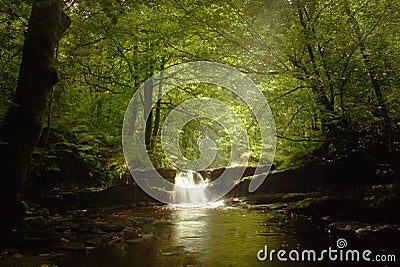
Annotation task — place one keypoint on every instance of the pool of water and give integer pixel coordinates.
(222, 236)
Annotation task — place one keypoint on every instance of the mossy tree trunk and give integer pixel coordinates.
(314, 76)
(369, 65)
(24, 120)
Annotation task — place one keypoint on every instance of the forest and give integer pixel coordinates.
(329, 71)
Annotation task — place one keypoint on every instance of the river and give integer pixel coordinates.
(217, 236)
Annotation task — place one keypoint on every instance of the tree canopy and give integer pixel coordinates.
(329, 70)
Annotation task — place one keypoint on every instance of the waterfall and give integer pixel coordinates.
(189, 189)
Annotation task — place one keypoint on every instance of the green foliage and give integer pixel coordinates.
(70, 158)
(311, 69)
(116, 172)
(13, 23)
(383, 195)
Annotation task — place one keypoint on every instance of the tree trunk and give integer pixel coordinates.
(158, 109)
(24, 120)
(368, 65)
(148, 103)
(327, 106)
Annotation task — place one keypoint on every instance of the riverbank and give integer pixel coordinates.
(370, 212)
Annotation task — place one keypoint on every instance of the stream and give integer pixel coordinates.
(215, 236)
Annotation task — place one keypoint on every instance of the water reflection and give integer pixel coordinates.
(221, 236)
(216, 236)
(190, 229)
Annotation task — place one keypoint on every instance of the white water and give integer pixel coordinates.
(189, 189)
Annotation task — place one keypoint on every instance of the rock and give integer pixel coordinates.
(131, 233)
(346, 226)
(322, 205)
(235, 171)
(112, 227)
(378, 229)
(293, 197)
(141, 204)
(92, 241)
(18, 256)
(174, 250)
(366, 229)
(148, 237)
(72, 246)
(167, 173)
(134, 240)
(272, 206)
(313, 176)
(235, 202)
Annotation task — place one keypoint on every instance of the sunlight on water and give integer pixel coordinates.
(190, 229)
(212, 235)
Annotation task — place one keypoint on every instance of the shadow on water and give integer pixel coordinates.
(223, 236)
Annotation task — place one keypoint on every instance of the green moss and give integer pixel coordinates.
(293, 197)
(325, 205)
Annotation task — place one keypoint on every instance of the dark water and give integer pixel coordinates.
(224, 236)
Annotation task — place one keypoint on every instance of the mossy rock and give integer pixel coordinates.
(36, 222)
(112, 227)
(266, 198)
(294, 197)
(43, 212)
(322, 205)
(132, 233)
